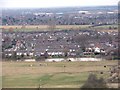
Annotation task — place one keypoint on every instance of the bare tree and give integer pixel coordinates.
(52, 23)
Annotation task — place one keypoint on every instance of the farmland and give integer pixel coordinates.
(52, 75)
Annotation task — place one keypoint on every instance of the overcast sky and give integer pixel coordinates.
(54, 3)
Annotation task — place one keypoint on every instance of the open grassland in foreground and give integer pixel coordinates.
(52, 74)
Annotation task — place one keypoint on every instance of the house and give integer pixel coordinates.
(97, 50)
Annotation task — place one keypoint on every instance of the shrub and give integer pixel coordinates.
(94, 82)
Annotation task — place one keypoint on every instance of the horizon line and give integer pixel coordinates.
(58, 7)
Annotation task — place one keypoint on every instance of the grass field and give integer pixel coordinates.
(106, 28)
(44, 27)
(58, 27)
(54, 75)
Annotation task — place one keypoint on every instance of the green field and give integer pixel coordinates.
(54, 75)
(43, 27)
(106, 26)
(30, 28)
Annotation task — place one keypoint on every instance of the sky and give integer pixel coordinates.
(54, 3)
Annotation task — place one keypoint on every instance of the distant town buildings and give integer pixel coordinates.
(70, 43)
(88, 16)
(59, 44)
